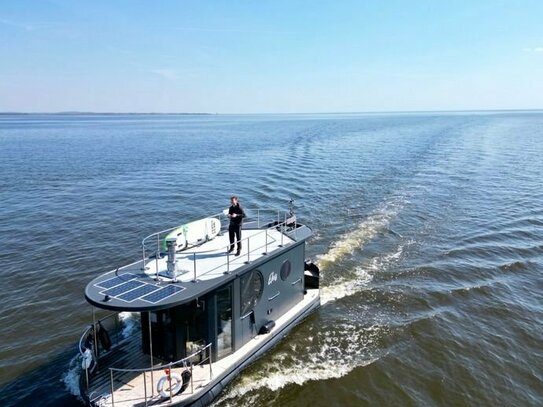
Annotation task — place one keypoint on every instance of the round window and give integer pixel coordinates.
(285, 270)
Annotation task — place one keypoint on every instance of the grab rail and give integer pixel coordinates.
(186, 362)
(276, 223)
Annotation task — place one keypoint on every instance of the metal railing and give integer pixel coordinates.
(151, 245)
(111, 323)
(204, 354)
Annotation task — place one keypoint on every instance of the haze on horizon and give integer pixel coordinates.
(270, 57)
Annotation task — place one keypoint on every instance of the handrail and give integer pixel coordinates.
(164, 366)
(87, 330)
(204, 350)
(277, 223)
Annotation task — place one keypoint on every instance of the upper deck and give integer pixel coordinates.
(147, 285)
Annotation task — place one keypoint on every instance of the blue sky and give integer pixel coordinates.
(270, 56)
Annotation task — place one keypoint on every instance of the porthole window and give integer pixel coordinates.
(252, 285)
(285, 270)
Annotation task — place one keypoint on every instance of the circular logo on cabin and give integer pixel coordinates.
(285, 270)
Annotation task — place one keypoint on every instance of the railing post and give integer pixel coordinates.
(194, 260)
(248, 252)
(145, 387)
(151, 354)
(282, 230)
(191, 380)
(111, 383)
(266, 245)
(157, 253)
(258, 218)
(94, 334)
(210, 369)
(170, 382)
(228, 262)
(143, 255)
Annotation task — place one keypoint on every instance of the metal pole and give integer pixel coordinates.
(112, 400)
(157, 254)
(248, 251)
(266, 247)
(143, 255)
(210, 370)
(282, 230)
(228, 262)
(194, 260)
(151, 353)
(170, 381)
(94, 334)
(258, 218)
(191, 381)
(145, 387)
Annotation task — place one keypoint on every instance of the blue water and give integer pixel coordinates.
(428, 230)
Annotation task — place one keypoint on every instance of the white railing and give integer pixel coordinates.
(151, 245)
(204, 355)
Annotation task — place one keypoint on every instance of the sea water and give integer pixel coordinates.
(428, 232)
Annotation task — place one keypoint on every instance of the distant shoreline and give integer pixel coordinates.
(101, 113)
(74, 113)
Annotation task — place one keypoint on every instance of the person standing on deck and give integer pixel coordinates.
(236, 215)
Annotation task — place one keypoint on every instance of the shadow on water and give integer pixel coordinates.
(45, 385)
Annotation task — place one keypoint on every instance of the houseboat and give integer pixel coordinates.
(200, 313)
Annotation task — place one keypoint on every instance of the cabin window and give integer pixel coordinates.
(285, 270)
(224, 322)
(252, 285)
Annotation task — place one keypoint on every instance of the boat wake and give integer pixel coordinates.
(339, 348)
(376, 223)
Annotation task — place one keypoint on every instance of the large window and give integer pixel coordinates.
(252, 285)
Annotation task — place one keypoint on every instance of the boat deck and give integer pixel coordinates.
(211, 259)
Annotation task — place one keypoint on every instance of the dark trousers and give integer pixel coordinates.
(234, 232)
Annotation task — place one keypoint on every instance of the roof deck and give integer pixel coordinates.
(148, 285)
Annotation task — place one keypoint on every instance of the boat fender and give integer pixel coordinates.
(266, 328)
(87, 359)
(174, 377)
(186, 376)
(103, 337)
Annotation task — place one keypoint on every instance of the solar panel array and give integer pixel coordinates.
(126, 287)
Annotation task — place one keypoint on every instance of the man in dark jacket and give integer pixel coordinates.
(236, 215)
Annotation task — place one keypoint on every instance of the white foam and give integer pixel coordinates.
(338, 351)
(346, 287)
(130, 323)
(70, 378)
(365, 231)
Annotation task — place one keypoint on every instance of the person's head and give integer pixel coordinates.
(234, 200)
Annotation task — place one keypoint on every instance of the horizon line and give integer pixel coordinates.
(75, 112)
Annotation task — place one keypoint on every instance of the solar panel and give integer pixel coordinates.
(112, 282)
(123, 288)
(162, 294)
(138, 292)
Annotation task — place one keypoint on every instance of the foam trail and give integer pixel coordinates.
(339, 350)
(346, 287)
(374, 224)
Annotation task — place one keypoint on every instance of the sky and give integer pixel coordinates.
(270, 56)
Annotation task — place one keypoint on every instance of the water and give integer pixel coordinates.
(428, 231)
